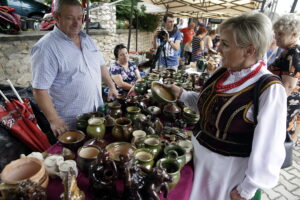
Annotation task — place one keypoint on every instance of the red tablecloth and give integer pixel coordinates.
(180, 192)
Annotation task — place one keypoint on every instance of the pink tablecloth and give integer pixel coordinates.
(180, 192)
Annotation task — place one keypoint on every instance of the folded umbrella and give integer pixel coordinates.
(18, 117)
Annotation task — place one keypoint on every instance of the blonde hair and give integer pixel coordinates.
(288, 23)
(252, 28)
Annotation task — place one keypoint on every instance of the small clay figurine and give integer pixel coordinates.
(156, 182)
(102, 177)
(134, 181)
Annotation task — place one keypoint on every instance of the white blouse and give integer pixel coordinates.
(216, 175)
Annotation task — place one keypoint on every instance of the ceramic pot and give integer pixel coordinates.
(153, 143)
(132, 112)
(51, 163)
(138, 138)
(72, 139)
(100, 143)
(96, 127)
(144, 157)
(171, 111)
(122, 131)
(120, 148)
(82, 120)
(173, 169)
(176, 152)
(141, 87)
(114, 109)
(188, 147)
(25, 169)
(64, 168)
(85, 156)
(160, 93)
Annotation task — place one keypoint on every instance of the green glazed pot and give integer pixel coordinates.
(153, 143)
(173, 169)
(141, 87)
(144, 157)
(176, 152)
(96, 127)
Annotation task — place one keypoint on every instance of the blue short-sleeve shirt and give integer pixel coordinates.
(71, 75)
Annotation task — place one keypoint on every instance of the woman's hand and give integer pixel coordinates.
(234, 195)
(112, 93)
(177, 91)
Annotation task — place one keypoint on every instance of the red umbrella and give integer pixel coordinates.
(18, 117)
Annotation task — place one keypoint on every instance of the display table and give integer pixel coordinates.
(180, 192)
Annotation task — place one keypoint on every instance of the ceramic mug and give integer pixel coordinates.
(64, 168)
(85, 156)
(144, 157)
(138, 137)
(188, 147)
(176, 152)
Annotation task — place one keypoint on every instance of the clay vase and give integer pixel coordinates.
(138, 138)
(114, 109)
(122, 131)
(153, 143)
(144, 157)
(96, 127)
(141, 87)
(132, 112)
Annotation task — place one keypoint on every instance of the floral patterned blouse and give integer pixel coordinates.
(127, 76)
(288, 63)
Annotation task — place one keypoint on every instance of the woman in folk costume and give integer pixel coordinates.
(233, 157)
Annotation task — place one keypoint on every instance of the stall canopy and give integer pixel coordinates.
(220, 9)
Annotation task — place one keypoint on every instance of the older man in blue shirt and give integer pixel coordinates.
(68, 70)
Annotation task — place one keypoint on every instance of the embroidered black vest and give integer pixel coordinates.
(225, 128)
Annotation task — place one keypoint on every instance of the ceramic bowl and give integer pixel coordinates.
(154, 110)
(26, 168)
(162, 94)
(72, 139)
(120, 148)
(190, 113)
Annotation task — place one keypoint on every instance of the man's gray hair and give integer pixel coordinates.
(252, 28)
(289, 23)
(59, 4)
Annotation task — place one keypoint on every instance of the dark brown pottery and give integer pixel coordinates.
(72, 139)
(114, 109)
(122, 131)
(172, 111)
(85, 156)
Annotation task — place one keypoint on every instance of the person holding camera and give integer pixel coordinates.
(167, 42)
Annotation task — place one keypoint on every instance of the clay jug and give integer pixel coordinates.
(122, 131)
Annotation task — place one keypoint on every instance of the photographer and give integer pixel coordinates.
(167, 42)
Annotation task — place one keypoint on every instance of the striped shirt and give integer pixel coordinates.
(71, 75)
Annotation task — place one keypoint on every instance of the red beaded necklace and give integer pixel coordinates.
(223, 88)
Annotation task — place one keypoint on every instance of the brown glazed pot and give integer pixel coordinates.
(114, 109)
(122, 131)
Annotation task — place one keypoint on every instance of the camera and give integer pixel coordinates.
(162, 34)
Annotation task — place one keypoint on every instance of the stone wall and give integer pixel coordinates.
(15, 49)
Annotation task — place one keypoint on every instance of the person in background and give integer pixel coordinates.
(208, 42)
(273, 52)
(232, 156)
(67, 70)
(170, 43)
(287, 66)
(123, 72)
(198, 44)
(188, 34)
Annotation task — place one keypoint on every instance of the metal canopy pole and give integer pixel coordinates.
(130, 24)
(294, 6)
(136, 31)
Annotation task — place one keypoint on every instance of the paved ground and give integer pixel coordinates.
(288, 187)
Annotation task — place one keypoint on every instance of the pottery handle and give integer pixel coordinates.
(172, 154)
